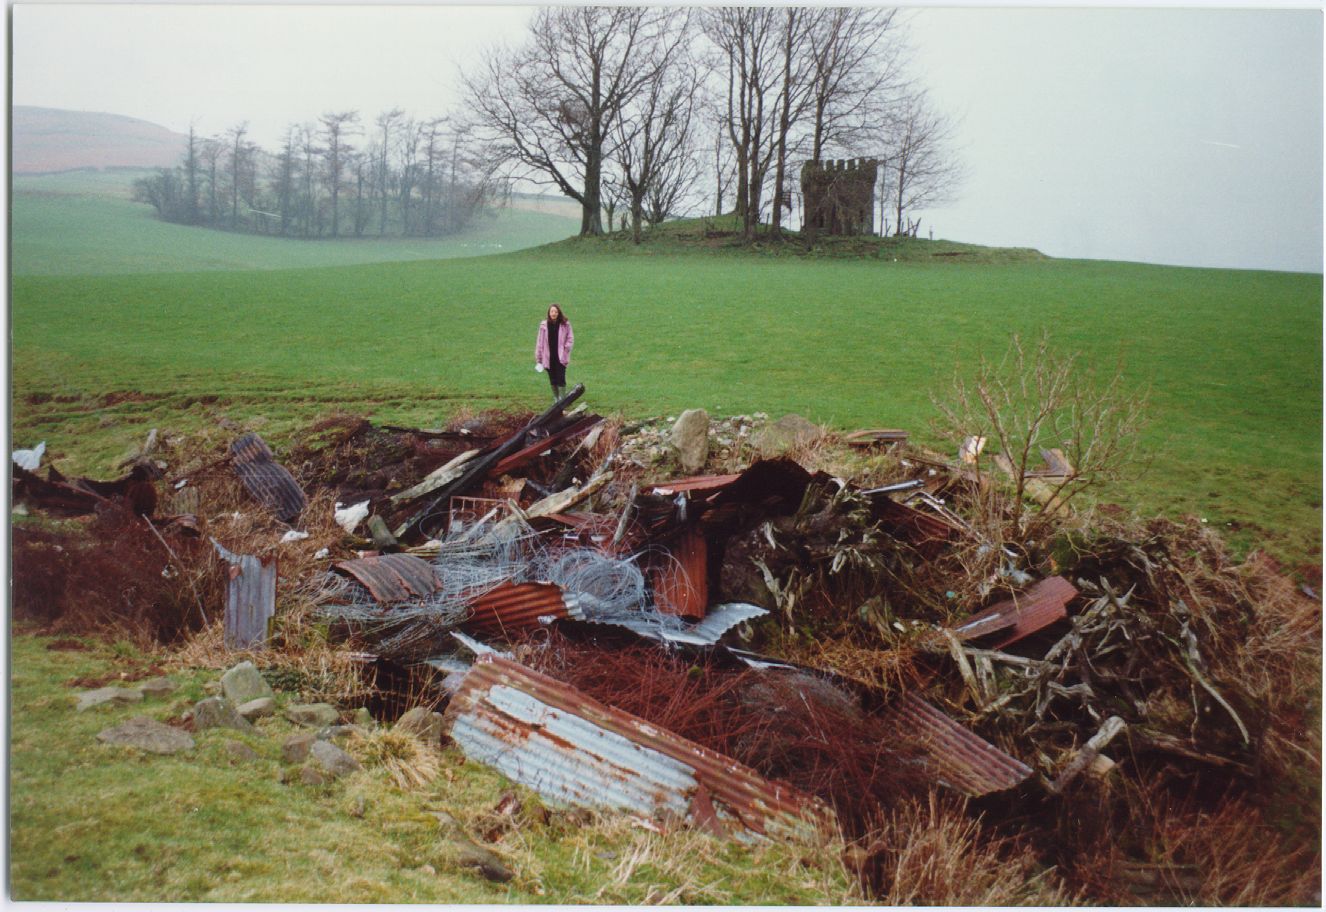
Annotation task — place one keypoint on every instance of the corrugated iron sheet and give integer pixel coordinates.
(681, 577)
(574, 750)
(392, 578)
(719, 620)
(250, 598)
(513, 607)
(696, 485)
(924, 530)
(266, 479)
(957, 757)
(875, 436)
(1040, 606)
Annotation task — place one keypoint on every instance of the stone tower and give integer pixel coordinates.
(839, 196)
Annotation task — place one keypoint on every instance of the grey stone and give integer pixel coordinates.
(477, 858)
(339, 732)
(104, 695)
(786, 433)
(331, 759)
(690, 438)
(212, 688)
(423, 723)
(260, 708)
(218, 712)
(310, 775)
(296, 747)
(312, 714)
(363, 717)
(238, 750)
(243, 683)
(148, 735)
(156, 687)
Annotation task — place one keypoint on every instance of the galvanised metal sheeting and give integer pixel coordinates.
(266, 479)
(392, 578)
(957, 757)
(250, 598)
(569, 748)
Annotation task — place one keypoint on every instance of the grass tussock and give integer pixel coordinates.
(407, 761)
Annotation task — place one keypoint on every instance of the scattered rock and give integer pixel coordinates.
(786, 433)
(316, 715)
(331, 759)
(338, 732)
(244, 683)
(485, 861)
(212, 688)
(260, 708)
(690, 437)
(240, 751)
(156, 687)
(218, 712)
(423, 723)
(312, 776)
(296, 747)
(104, 695)
(148, 735)
(363, 717)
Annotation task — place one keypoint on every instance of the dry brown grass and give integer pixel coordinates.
(930, 852)
(407, 760)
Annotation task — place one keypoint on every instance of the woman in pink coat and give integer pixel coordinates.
(552, 349)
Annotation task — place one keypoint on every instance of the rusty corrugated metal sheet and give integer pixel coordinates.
(513, 607)
(1040, 606)
(542, 445)
(681, 577)
(250, 598)
(266, 479)
(392, 578)
(875, 436)
(924, 530)
(574, 750)
(698, 484)
(957, 757)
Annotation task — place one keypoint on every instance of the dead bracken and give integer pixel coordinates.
(811, 636)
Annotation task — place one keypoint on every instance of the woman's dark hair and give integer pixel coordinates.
(561, 314)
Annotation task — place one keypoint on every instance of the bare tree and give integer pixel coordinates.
(387, 122)
(920, 168)
(191, 178)
(308, 204)
(549, 107)
(240, 157)
(858, 75)
(336, 128)
(211, 151)
(654, 130)
(284, 176)
(794, 91)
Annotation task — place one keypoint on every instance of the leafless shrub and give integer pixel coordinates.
(1035, 400)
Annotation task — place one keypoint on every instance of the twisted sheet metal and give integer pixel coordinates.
(267, 480)
(1024, 614)
(514, 607)
(572, 749)
(250, 598)
(957, 757)
(392, 578)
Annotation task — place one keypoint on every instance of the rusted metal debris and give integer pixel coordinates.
(516, 607)
(875, 437)
(1012, 619)
(574, 750)
(957, 757)
(80, 496)
(266, 479)
(250, 599)
(681, 577)
(392, 578)
(543, 444)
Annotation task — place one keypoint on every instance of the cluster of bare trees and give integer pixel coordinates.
(639, 108)
(335, 177)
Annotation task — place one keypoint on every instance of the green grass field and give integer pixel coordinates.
(1233, 358)
(84, 223)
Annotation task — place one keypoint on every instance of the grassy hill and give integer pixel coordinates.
(1233, 358)
(84, 223)
(44, 140)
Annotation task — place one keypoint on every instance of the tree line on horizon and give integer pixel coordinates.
(638, 114)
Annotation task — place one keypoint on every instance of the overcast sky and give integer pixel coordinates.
(1190, 137)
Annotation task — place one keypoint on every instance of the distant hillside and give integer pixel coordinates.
(45, 140)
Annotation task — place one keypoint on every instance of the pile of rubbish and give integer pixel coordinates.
(775, 651)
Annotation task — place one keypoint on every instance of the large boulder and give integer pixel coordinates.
(147, 735)
(260, 708)
(787, 433)
(156, 687)
(243, 683)
(690, 438)
(218, 712)
(295, 748)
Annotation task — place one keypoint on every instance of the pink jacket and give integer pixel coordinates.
(565, 339)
